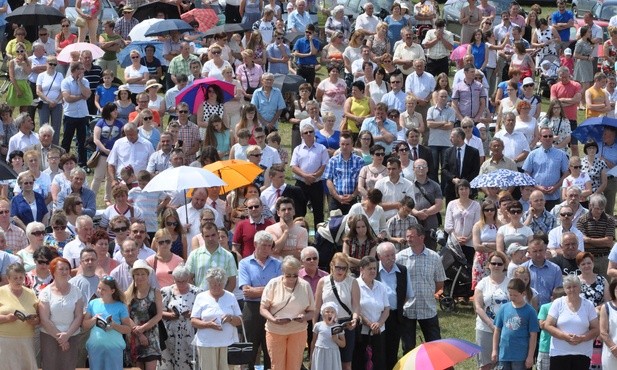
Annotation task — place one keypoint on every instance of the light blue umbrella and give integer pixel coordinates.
(502, 178)
(124, 57)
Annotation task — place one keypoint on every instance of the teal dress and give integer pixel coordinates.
(105, 347)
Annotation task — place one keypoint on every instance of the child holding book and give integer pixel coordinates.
(327, 339)
(516, 330)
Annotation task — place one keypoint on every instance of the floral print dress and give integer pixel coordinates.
(594, 170)
(180, 331)
(140, 314)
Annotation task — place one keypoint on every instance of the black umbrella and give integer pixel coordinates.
(150, 10)
(35, 15)
(228, 28)
(6, 172)
(288, 83)
(165, 27)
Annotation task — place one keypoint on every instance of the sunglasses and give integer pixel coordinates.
(59, 227)
(308, 132)
(79, 203)
(20, 51)
(120, 229)
(135, 57)
(171, 223)
(38, 233)
(309, 259)
(43, 34)
(380, 154)
(341, 268)
(28, 183)
(183, 111)
(147, 118)
(255, 155)
(291, 275)
(501, 301)
(547, 136)
(42, 262)
(166, 241)
(577, 167)
(253, 207)
(403, 150)
(53, 65)
(496, 263)
(516, 211)
(566, 214)
(65, 26)
(216, 52)
(467, 126)
(489, 210)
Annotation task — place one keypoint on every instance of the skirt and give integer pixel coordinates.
(17, 353)
(324, 358)
(19, 101)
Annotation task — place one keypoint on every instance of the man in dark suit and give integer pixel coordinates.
(46, 134)
(396, 279)
(278, 188)
(460, 162)
(416, 150)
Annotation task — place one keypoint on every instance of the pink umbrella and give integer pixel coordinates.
(459, 52)
(65, 54)
(196, 94)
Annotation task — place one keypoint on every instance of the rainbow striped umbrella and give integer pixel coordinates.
(438, 355)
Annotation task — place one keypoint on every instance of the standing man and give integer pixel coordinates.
(46, 135)
(395, 98)
(438, 44)
(428, 201)
(515, 145)
(132, 150)
(299, 20)
(381, 127)
(597, 101)
(75, 92)
(440, 121)
(460, 162)
(342, 174)
(367, 21)
(308, 163)
(427, 275)
(598, 229)
(193, 213)
(210, 255)
(545, 275)
(160, 160)
(562, 20)
(422, 85)
(393, 187)
(254, 272)
(269, 103)
(567, 226)
(306, 50)
(608, 152)
(469, 96)
(38, 61)
(125, 24)
(246, 229)
(497, 160)
(548, 166)
(87, 280)
(396, 280)
(289, 237)
(180, 64)
(279, 54)
(48, 42)
(566, 258)
(84, 227)
(278, 188)
(93, 74)
(406, 52)
(569, 93)
(16, 239)
(537, 217)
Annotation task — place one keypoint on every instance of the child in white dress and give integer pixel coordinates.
(326, 354)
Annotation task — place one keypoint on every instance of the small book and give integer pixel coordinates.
(103, 323)
(177, 311)
(23, 317)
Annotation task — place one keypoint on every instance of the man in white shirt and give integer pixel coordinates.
(122, 273)
(193, 210)
(25, 137)
(278, 188)
(130, 150)
(566, 217)
(367, 21)
(422, 85)
(394, 187)
(84, 228)
(269, 155)
(356, 65)
(515, 145)
(138, 233)
(407, 51)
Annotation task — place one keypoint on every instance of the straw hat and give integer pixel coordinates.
(152, 83)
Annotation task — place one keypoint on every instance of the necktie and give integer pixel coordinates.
(415, 153)
(213, 204)
(278, 193)
(458, 161)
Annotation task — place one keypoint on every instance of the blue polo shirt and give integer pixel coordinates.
(564, 17)
(608, 151)
(544, 279)
(267, 107)
(303, 46)
(546, 167)
(251, 273)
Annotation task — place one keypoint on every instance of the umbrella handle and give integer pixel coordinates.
(186, 209)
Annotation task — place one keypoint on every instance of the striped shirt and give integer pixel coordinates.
(188, 133)
(600, 228)
(147, 202)
(201, 260)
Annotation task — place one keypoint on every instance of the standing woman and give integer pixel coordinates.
(213, 105)
(380, 43)
(610, 53)
(170, 221)
(107, 130)
(583, 66)
(363, 146)
(20, 93)
(215, 315)
(300, 112)
(470, 19)
(218, 136)
(461, 215)
(526, 123)
(136, 75)
(360, 241)
(484, 240)
(64, 39)
(556, 120)
(546, 38)
(61, 309)
(608, 328)
(341, 288)
(374, 313)
(357, 108)
(16, 336)
(233, 107)
(531, 25)
(250, 11)
(48, 90)
(88, 11)
(522, 60)
(395, 22)
(331, 93)
(249, 74)
(147, 129)
(372, 172)
(164, 261)
(28, 205)
(328, 136)
(124, 103)
(479, 49)
(145, 310)
(489, 295)
(178, 300)
(105, 346)
(594, 287)
(287, 303)
(100, 244)
(595, 166)
(573, 324)
(377, 88)
(256, 43)
(337, 22)
(513, 231)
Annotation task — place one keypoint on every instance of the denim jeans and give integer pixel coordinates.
(511, 365)
(437, 152)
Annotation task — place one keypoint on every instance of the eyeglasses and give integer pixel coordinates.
(341, 268)
(255, 155)
(496, 263)
(566, 214)
(308, 132)
(253, 207)
(577, 167)
(309, 259)
(171, 223)
(529, 85)
(379, 154)
(291, 275)
(147, 118)
(135, 57)
(120, 229)
(28, 183)
(547, 136)
(516, 211)
(166, 241)
(489, 210)
(53, 65)
(38, 233)
(488, 23)
(501, 301)
(59, 227)
(421, 167)
(183, 111)
(42, 262)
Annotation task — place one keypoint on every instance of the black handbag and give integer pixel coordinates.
(240, 353)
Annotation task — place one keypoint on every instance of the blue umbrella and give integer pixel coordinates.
(165, 27)
(593, 128)
(502, 178)
(124, 56)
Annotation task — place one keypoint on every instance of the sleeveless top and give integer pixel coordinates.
(176, 246)
(20, 74)
(478, 52)
(594, 292)
(343, 289)
(358, 108)
(138, 311)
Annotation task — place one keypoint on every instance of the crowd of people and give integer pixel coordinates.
(382, 132)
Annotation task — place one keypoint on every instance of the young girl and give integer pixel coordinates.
(360, 241)
(531, 295)
(238, 150)
(326, 354)
(105, 346)
(218, 136)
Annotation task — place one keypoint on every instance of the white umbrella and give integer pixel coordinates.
(138, 32)
(183, 178)
(65, 54)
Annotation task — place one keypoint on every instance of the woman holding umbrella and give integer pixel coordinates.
(88, 19)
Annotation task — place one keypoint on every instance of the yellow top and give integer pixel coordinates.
(597, 96)
(358, 108)
(25, 303)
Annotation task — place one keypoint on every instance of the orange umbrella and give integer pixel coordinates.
(235, 172)
(207, 18)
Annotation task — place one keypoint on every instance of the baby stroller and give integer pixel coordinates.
(458, 276)
(547, 69)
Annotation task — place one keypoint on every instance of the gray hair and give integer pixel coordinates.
(292, 262)
(181, 272)
(47, 128)
(563, 70)
(307, 250)
(263, 236)
(267, 75)
(381, 248)
(598, 200)
(34, 226)
(82, 220)
(129, 126)
(509, 115)
(216, 274)
(77, 171)
(21, 118)
(571, 280)
(575, 188)
(466, 120)
(24, 175)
